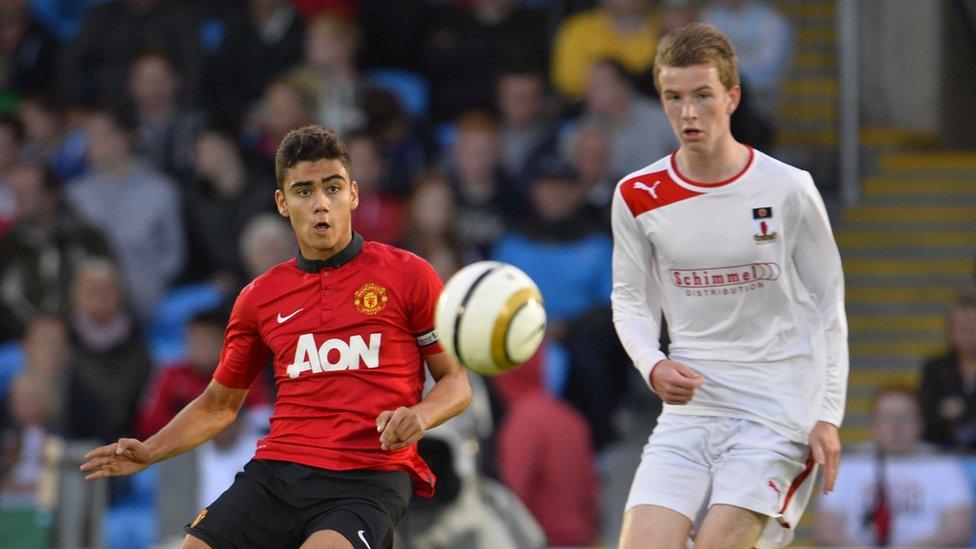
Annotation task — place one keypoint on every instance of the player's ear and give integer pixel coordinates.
(281, 203)
(735, 94)
(354, 191)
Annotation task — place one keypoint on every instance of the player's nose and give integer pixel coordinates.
(320, 201)
(688, 111)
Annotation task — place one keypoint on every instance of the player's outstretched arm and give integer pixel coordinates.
(449, 396)
(197, 423)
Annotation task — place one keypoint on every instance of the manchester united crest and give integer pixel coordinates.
(370, 298)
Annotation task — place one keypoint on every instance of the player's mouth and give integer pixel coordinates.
(321, 227)
(692, 134)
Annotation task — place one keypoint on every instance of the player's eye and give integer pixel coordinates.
(704, 95)
(304, 192)
(334, 188)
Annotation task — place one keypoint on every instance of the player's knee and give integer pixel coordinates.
(730, 527)
(654, 526)
(191, 542)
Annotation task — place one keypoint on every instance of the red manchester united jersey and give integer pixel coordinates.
(347, 335)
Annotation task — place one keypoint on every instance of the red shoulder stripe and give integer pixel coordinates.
(647, 192)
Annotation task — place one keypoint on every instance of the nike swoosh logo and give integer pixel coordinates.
(283, 319)
(362, 537)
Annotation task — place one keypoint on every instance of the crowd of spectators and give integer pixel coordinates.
(137, 141)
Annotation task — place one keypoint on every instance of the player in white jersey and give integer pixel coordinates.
(735, 248)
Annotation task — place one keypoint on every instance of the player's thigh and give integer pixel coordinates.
(654, 526)
(191, 542)
(674, 471)
(730, 527)
(251, 513)
(766, 474)
(365, 508)
(327, 539)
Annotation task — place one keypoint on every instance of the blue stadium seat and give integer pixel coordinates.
(411, 88)
(166, 335)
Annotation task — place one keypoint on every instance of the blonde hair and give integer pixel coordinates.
(697, 44)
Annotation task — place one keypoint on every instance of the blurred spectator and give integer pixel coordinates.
(545, 455)
(34, 406)
(261, 44)
(466, 48)
(266, 241)
(46, 351)
(11, 141)
(330, 72)
(623, 30)
(42, 251)
(176, 385)
(224, 192)
(165, 130)
(137, 207)
(287, 104)
(763, 42)
(561, 249)
(401, 140)
(430, 233)
(899, 493)
(481, 192)
(526, 133)
(589, 149)
(948, 388)
(468, 510)
(96, 63)
(379, 215)
(47, 139)
(638, 129)
(28, 52)
(109, 363)
(564, 251)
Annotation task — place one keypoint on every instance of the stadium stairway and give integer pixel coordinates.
(907, 249)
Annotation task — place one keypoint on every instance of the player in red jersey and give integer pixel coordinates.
(349, 324)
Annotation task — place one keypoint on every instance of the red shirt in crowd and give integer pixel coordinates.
(545, 455)
(173, 387)
(347, 336)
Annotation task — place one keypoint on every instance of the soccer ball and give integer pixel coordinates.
(490, 317)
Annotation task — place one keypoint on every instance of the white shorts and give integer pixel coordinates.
(693, 462)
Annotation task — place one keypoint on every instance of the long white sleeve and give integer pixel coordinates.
(637, 292)
(818, 265)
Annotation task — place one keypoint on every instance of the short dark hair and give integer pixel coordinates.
(308, 143)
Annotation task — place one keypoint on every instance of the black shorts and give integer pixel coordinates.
(278, 504)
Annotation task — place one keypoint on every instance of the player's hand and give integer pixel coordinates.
(825, 445)
(125, 457)
(674, 382)
(400, 428)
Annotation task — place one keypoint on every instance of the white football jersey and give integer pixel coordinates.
(748, 276)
